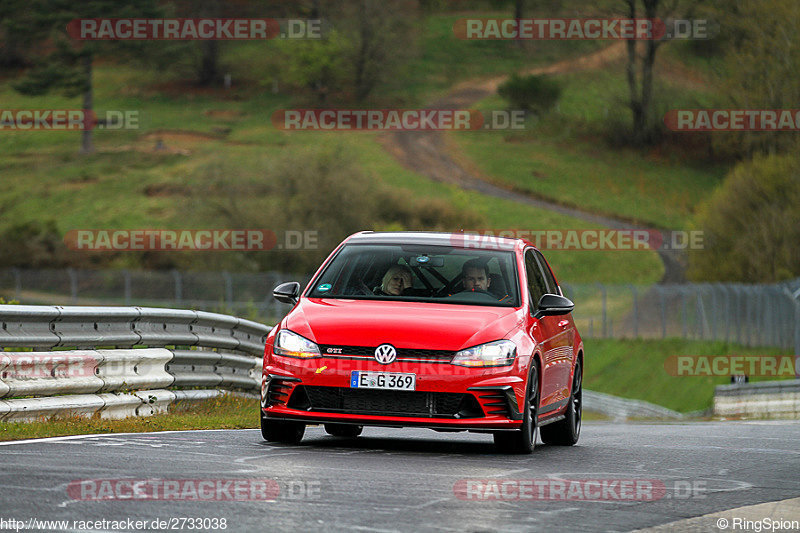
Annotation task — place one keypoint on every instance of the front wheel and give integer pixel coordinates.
(281, 431)
(523, 440)
(567, 431)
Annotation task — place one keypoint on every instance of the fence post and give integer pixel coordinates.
(739, 310)
(605, 310)
(17, 284)
(126, 280)
(176, 275)
(635, 312)
(228, 289)
(73, 285)
(684, 318)
(663, 312)
(796, 337)
(728, 314)
(714, 312)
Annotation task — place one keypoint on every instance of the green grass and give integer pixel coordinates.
(44, 177)
(636, 369)
(224, 412)
(563, 158)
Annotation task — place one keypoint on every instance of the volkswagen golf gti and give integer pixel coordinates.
(435, 330)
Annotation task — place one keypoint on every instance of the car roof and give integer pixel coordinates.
(460, 240)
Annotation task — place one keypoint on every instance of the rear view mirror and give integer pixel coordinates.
(287, 293)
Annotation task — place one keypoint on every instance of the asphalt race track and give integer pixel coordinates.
(403, 480)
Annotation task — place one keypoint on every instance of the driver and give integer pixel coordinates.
(476, 276)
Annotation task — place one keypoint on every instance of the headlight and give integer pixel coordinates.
(497, 353)
(290, 344)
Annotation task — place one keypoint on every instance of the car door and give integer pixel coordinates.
(562, 330)
(542, 330)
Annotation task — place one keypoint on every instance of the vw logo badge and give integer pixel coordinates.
(385, 354)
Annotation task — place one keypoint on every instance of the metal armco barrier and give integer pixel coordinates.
(766, 399)
(35, 326)
(622, 408)
(121, 381)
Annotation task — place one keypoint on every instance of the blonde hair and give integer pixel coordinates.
(391, 272)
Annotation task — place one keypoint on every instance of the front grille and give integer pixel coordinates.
(385, 402)
(402, 353)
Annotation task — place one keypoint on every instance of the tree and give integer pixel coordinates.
(761, 66)
(317, 64)
(15, 42)
(751, 225)
(640, 68)
(382, 36)
(68, 67)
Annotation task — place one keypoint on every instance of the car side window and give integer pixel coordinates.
(536, 283)
(552, 286)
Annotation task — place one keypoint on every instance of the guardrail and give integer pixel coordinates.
(766, 399)
(207, 350)
(175, 349)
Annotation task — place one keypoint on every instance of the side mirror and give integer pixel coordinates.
(287, 293)
(554, 305)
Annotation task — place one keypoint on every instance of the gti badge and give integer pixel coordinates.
(385, 354)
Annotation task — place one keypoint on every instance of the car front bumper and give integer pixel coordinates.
(447, 397)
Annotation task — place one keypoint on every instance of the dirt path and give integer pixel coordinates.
(428, 152)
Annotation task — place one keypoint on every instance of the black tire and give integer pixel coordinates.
(344, 430)
(566, 432)
(523, 440)
(280, 431)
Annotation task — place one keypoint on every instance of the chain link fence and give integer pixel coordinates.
(750, 315)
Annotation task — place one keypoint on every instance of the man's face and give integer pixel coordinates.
(475, 279)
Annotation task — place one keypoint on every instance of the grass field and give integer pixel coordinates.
(127, 184)
(564, 157)
(635, 369)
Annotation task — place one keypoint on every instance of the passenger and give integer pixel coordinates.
(396, 279)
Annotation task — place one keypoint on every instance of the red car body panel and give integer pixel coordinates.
(411, 325)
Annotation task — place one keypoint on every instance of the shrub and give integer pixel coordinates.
(537, 94)
(751, 224)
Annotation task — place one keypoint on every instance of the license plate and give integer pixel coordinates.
(382, 380)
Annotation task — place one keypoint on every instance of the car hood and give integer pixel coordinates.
(411, 325)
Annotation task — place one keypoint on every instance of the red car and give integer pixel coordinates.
(431, 330)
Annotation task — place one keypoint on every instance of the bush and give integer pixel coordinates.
(322, 190)
(537, 94)
(751, 224)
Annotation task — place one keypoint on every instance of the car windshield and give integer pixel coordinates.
(420, 273)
